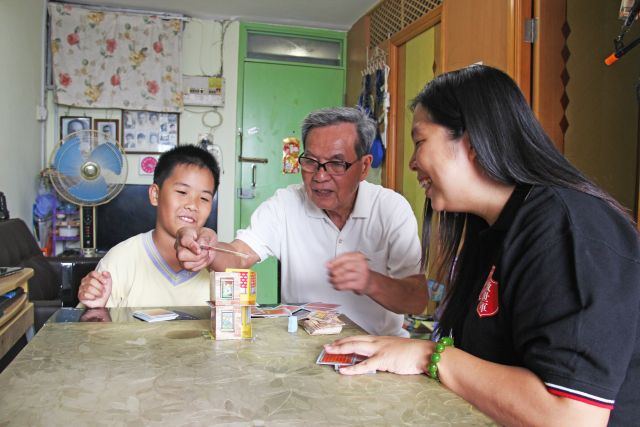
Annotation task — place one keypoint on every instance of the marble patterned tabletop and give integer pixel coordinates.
(171, 373)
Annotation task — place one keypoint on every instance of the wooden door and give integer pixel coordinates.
(491, 32)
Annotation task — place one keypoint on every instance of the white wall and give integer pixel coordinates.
(201, 55)
(21, 35)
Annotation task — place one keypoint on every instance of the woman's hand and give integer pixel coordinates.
(392, 354)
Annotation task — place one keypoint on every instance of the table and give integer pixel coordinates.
(17, 320)
(171, 373)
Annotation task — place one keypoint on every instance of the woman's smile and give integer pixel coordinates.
(425, 182)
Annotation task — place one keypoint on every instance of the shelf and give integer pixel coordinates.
(70, 218)
(19, 316)
(67, 238)
(13, 308)
(15, 327)
(12, 281)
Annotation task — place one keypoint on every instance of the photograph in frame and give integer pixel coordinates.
(108, 129)
(70, 124)
(149, 132)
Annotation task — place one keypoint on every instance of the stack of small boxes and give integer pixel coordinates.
(233, 293)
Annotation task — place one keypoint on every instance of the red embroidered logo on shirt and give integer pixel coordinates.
(488, 299)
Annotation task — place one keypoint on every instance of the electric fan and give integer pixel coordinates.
(88, 168)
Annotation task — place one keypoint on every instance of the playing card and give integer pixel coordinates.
(325, 316)
(336, 359)
(314, 306)
(323, 323)
(291, 308)
(340, 360)
(155, 315)
(301, 313)
(269, 312)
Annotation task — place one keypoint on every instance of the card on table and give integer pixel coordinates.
(322, 323)
(269, 312)
(155, 315)
(336, 359)
(339, 360)
(291, 308)
(301, 313)
(185, 316)
(313, 306)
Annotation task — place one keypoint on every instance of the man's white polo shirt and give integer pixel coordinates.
(293, 229)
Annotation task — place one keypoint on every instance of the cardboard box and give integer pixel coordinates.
(234, 287)
(231, 322)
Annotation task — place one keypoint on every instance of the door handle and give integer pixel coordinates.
(253, 175)
(241, 158)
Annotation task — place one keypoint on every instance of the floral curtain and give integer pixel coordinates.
(115, 60)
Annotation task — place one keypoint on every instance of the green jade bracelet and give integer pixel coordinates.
(432, 368)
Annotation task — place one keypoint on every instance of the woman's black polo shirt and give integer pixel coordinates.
(564, 297)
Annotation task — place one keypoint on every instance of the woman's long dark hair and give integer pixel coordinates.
(511, 147)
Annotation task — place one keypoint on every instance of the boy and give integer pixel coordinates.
(143, 271)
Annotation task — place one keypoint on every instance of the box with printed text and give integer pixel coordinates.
(231, 322)
(234, 287)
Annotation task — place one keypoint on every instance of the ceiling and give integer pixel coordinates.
(330, 14)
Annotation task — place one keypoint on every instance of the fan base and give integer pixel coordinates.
(89, 252)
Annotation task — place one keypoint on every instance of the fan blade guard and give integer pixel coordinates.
(107, 156)
(93, 191)
(69, 158)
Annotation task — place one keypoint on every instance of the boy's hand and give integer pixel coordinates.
(95, 289)
(188, 251)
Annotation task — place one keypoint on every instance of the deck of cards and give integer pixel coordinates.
(323, 323)
(339, 360)
(280, 311)
(155, 315)
(286, 310)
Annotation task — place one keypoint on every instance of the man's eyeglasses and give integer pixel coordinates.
(332, 167)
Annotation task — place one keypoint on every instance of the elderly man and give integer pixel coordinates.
(338, 237)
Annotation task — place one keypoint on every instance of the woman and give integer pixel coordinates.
(542, 267)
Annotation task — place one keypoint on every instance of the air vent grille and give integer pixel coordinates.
(391, 16)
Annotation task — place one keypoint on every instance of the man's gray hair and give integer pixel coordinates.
(365, 126)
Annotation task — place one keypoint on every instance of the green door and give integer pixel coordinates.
(420, 57)
(276, 98)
